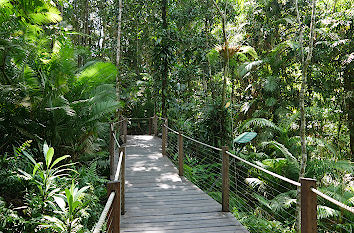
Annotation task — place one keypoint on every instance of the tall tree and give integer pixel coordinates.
(118, 52)
(164, 75)
(304, 70)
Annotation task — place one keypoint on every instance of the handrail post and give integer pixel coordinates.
(123, 180)
(225, 180)
(164, 137)
(155, 125)
(180, 154)
(308, 206)
(125, 129)
(115, 186)
(111, 148)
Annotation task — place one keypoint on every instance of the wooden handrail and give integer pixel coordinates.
(332, 200)
(115, 188)
(119, 165)
(308, 191)
(115, 139)
(104, 213)
(242, 160)
(265, 170)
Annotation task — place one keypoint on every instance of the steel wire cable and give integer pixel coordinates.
(338, 221)
(271, 181)
(200, 154)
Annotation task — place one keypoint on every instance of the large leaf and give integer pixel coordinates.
(61, 203)
(58, 160)
(49, 156)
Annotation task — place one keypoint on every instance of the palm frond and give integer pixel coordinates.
(260, 122)
(247, 67)
(326, 212)
(280, 147)
(283, 201)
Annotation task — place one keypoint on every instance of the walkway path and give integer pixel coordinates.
(158, 200)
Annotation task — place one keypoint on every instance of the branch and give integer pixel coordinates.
(219, 10)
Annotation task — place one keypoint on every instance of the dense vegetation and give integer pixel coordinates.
(214, 68)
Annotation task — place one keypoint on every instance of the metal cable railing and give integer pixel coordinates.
(233, 181)
(250, 187)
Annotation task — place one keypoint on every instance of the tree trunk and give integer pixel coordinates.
(118, 53)
(304, 64)
(164, 74)
(348, 74)
(226, 60)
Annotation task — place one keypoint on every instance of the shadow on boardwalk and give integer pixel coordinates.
(158, 200)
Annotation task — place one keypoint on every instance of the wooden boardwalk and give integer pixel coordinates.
(158, 200)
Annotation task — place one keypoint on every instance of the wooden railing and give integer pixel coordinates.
(309, 193)
(115, 204)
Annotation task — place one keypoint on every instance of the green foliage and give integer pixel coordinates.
(10, 219)
(57, 82)
(45, 177)
(69, 205)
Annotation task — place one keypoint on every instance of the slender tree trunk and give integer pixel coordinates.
(207, 68)
(305, 64)
(348, 74)
(226, 60)
(118, 53)
(208, 81)
(164, 74)
(226, 47)
(223, 123)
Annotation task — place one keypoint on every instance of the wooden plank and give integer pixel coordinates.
(169, 217)
(161, 184)
(167, 193)
(154, 176)
(167, 204)
(196, 229)
(158, 200)
(171, 198)
(180, 187)
(135, 211)
(181, 217)
(186, 224)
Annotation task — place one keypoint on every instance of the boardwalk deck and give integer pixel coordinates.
(158, 200)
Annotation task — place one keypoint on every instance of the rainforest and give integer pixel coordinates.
(283, 69)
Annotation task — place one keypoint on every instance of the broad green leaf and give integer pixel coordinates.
(58, 160)
(36, 167)
(45, 150)
(49, 156)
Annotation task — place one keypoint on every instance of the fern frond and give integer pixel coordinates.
(283, 201)
(326, 212)
(280, 147)
(260, 122)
